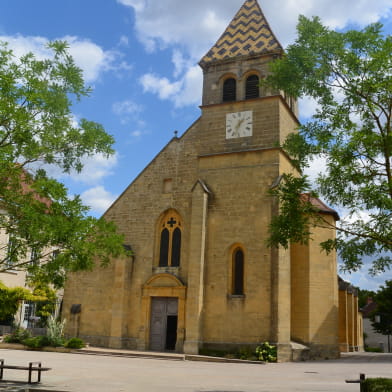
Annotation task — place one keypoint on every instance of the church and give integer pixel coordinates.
(197, 220)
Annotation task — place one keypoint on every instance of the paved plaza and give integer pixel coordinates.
(110, 373)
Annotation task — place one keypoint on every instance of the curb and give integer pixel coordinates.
(173, 357)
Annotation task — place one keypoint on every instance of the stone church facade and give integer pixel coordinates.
(197, 221)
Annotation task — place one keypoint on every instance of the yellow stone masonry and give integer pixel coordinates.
(203, 203)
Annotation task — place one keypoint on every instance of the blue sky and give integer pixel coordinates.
(140, 57)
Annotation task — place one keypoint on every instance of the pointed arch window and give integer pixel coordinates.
(229, 90)
(252, 89)
(170, 241)
(238, 272)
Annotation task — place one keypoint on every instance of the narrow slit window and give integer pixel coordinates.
(238, 272)
(164, 249)
(176, 247)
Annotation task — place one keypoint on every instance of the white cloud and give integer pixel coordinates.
(363, 280)
(126, 107)
(98, 198)
(95, 168)
(124, 41)
(196, 25)
(161, 86)
(138, 5)
(317, 166)
(179, 62)
(90, 57)
(307, 107)
(190, 92)
(191, 28)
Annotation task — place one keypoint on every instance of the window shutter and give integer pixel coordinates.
(229, 90)
(252, 87)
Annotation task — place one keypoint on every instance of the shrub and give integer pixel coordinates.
(55, 332)
(247, 353)
(36, 342)
(266, 352)
(18, 336)
(377, 385)
(373, 349)
(74, 343)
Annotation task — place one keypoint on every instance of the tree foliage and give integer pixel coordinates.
(349, 75)
(49, 232)
(383, 310)
(10, 299)
(364, 295)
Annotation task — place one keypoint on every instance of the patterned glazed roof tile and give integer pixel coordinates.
(248, 33)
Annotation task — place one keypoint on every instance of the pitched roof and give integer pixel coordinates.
(247, 34)
(319, 205)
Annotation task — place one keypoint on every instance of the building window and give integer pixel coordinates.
(229, 90)
(252, 87)
(238, 272)
(170, 241)
(11, 253)
(34, 256)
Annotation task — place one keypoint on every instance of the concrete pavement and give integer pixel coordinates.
(105, 372)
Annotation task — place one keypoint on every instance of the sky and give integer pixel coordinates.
(140, 57)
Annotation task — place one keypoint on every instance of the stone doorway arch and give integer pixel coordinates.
(162, 288)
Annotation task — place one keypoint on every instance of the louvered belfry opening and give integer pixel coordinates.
(252, 87)
(229, 90)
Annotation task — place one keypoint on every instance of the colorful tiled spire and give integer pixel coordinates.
(248, 34)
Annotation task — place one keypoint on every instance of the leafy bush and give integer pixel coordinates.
(373, 349)
(36, 342)
(55, 332)
(247, 353)
(266, 352)
(74, 343)
(18, 336)
(377, 385)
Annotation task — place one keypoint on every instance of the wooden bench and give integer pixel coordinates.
(33, 367)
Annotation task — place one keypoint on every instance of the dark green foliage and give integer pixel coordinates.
(373, 349)
(18, 336)
(37, 131)
(363, 296)
(377, 385)
(349, 75)
(266, 352)
(36, 342)
(74, 343)
(10, 298)
(384, 309)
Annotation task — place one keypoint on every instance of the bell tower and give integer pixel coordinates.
(232, 73)
(239, 57)
(239, 133)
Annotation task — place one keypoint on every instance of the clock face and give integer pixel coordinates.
(239, 124)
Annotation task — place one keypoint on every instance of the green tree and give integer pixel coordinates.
(10, 299)
(349, 75)
(382, 317)
(38, 130)
(363, 296)
(45, 308)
